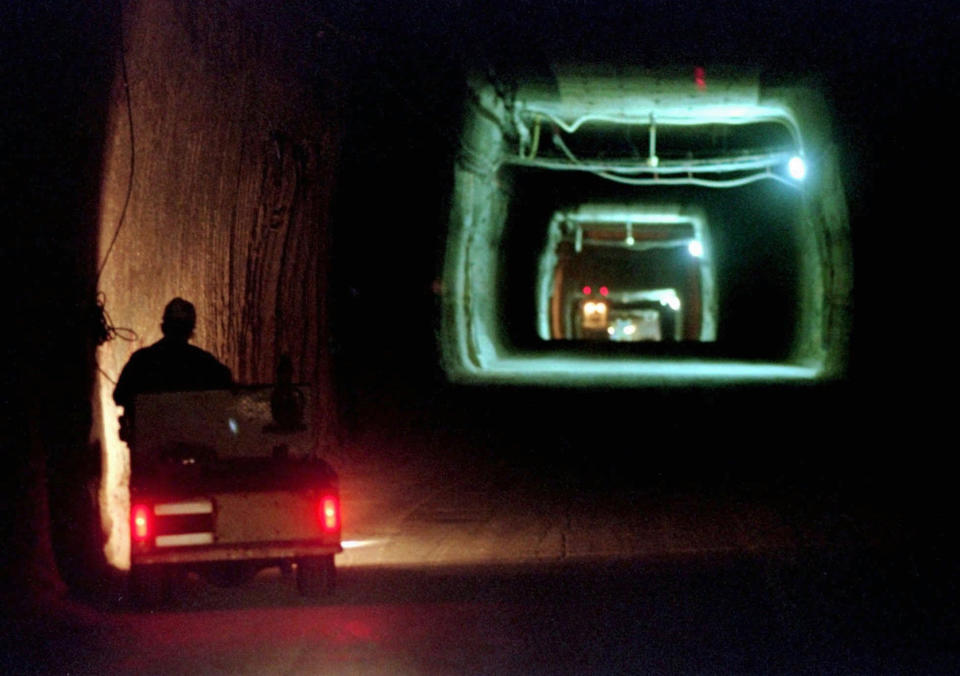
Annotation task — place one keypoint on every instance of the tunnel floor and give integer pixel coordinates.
(458, 562)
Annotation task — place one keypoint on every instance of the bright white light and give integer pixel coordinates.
(611, 330)
(797, 167)
(629, 329)
(589, 308)
(695, 248)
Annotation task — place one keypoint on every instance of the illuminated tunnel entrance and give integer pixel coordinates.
(646, 229)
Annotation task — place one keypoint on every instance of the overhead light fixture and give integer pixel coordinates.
(797, 168)
(695, 247)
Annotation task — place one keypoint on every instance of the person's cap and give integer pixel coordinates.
(180, 311)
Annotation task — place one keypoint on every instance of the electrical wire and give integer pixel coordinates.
(702, 182)
(106, 375)
(689, 180)
(535, 143)
(694, 166)
(126, 200)
(104, 330)
(101, 325)
(774, 115)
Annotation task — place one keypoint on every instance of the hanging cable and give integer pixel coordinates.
(767, 114)
(702, 182)
(103, 328)
(126, 200)
(535, 143)
(688, 166)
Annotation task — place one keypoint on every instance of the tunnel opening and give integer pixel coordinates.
(633, 229)
(751, 263)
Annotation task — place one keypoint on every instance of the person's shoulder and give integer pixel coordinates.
(200, 353)
(209, 361)
(143, 353)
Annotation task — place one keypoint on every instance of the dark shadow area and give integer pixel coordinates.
(56, 75)
(798, 612)
(815, 611)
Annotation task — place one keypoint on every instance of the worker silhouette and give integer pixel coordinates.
(171, 364)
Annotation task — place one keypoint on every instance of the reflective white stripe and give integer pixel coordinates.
(192, 507)
(184, 539)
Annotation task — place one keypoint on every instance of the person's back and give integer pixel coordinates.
(171, 364)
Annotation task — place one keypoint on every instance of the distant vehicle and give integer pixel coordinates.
(224, 484)
(635, 326)
(593, 318)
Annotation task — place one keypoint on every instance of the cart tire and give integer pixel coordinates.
(148, 586)
(316, 575)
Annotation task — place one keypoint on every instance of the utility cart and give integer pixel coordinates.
(225, 483)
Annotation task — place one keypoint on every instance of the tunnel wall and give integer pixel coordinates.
(470, 334)
(217, 184)
(826, 265)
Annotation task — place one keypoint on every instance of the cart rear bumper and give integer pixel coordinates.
(234, 552)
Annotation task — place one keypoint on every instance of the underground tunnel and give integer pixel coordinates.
(704, 214)
(696, 215)
(638, 238)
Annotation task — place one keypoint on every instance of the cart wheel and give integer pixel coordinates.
(149, 586)
(316, 575)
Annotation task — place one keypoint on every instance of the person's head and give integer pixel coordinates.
(179, 319)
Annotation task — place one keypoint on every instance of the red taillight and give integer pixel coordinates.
(140, 522)
(700, 78)
(330, 513)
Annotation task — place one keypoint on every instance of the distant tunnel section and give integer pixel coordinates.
(635, 229)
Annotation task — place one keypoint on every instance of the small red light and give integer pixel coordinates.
(330, 513)
(140, 522)
(700, 78)
(604, 291)
(587, 291)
